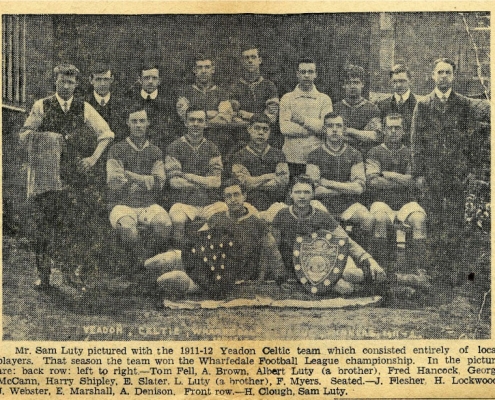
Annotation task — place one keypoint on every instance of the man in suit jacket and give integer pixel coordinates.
(402, 101)
(442, 158)
(158, 105)
(105, 101)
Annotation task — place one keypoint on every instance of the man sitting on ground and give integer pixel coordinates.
(302, 219)
(234, 245)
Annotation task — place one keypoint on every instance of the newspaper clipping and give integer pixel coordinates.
(246, 200)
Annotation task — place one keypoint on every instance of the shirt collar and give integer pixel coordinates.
(256, 153)
(62, 101)
(145, 95)
(313, 93)
(208, 89)
(335, 153)
(131, 143)
(184, 139)
(98, 98)
(259, 80)
(440, 94)
(405, 96)
(359, 104)
(386, 147)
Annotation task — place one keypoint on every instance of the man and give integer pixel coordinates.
(301, 117)
(261, 168)
(391, 186)
(337, 170)
(65, 138)
(255, 94)
(238, 246)
(302, 219)
(194, 167)
(105, 101)
(204, 94)
(361, 117)
(442, 158)
(402, 100)
(135, 175)
(158, 106)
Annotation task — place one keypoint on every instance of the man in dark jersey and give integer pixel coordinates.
(361, 117)
(194, 166)
(247, 251)
(303, 219)
(337, 169)
(261, 167)
(135, 175)
(255, 94)
(204, 93)
(393, 193)
(65, 138)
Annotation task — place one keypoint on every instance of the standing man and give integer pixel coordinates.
(402, 100)
(135, 176)
(194, 167)
(204, 94)
(337, 171)
(158, 105)
(301, 117)
(442, 158)
(361, 117)
(105, 101)
(255, 94)
(65, 138)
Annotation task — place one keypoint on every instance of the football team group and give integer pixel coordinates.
(206, 187)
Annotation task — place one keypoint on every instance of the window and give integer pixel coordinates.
(14, 60)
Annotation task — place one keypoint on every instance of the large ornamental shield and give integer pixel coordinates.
(319, 260)
(210, 262)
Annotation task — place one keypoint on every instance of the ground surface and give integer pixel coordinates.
(111, 312)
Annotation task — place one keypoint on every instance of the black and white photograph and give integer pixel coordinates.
(233, 177)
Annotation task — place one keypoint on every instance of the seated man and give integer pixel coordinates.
(303, 219)
(194, 166)
(361, 117)
(337, 170)
(261, 168)
(135, 175)
(238, 246)
(388, 169)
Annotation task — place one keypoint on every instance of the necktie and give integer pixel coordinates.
(444, 99)
(66, 107)
(148, 98)
(401, 101)
(102, 102)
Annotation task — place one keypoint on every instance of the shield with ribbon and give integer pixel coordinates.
(319, 260)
